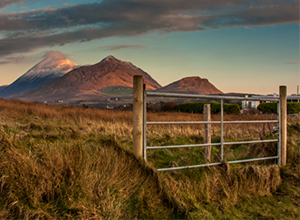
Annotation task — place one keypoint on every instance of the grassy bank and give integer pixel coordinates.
(61, 162)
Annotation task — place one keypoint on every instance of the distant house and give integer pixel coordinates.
(254, 104)
(294, 100)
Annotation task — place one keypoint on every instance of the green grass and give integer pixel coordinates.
(118, 91)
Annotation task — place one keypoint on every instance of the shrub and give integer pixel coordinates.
(268, 108)
(271, 108)
(231, 108)
(197, 107)
(293, 107)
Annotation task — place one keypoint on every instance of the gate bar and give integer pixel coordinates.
(182, 146)
(251, 142)
(219, 163)
(191, 166)
(207, 122)
(254, 159)
(211, 144)
(177, 95)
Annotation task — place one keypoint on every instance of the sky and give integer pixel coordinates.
(238, 45)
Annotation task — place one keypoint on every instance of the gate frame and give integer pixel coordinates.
(281, 121)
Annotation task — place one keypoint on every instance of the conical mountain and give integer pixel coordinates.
(190, 85)
(53, 66)
(3, 87)
(87, 82)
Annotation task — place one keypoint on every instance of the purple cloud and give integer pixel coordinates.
(5, 3)
(27, 31)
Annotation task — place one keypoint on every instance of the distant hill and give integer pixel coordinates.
(190, 85)
(3, 87)
(52, 67)
(88, 82)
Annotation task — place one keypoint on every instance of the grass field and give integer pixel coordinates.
(118, 91)
(62, 162)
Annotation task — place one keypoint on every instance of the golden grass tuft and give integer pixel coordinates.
(100, 180)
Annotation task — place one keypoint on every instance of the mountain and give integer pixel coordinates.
(3, 87)
(89, 82)
(190, 85)
(53, 66)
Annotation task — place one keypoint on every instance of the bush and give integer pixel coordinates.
(231, 108)
(197, 107)
(268, 108)
(271, 108)
(293, 107)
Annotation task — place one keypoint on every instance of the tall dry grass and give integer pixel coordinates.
(119, 123)
(63, 162)
(89, 179)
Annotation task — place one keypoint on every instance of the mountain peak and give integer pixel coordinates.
(54, 63)
(193, 79)
(192, 85)
(110, 58)
(54, 60)
(53, 66)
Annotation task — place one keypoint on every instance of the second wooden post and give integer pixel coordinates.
(207, 132)
(283, 124)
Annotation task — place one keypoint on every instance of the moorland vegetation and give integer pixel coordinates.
(71, 162)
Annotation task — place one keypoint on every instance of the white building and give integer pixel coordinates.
(254, 104)
(245, 103)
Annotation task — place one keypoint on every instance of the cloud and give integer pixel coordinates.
(122, 46)
(27, 31)
(5, 3)
(258, 16)
(19, 59)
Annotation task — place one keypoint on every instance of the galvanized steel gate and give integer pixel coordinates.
(222, 122)
(140, 116)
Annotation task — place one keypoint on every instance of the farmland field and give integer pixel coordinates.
(63, 162)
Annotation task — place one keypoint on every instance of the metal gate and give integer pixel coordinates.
(140, 124)
(222, 122)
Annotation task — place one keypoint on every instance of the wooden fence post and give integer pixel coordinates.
(138, 86)
(207, 132)
(283, 123)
